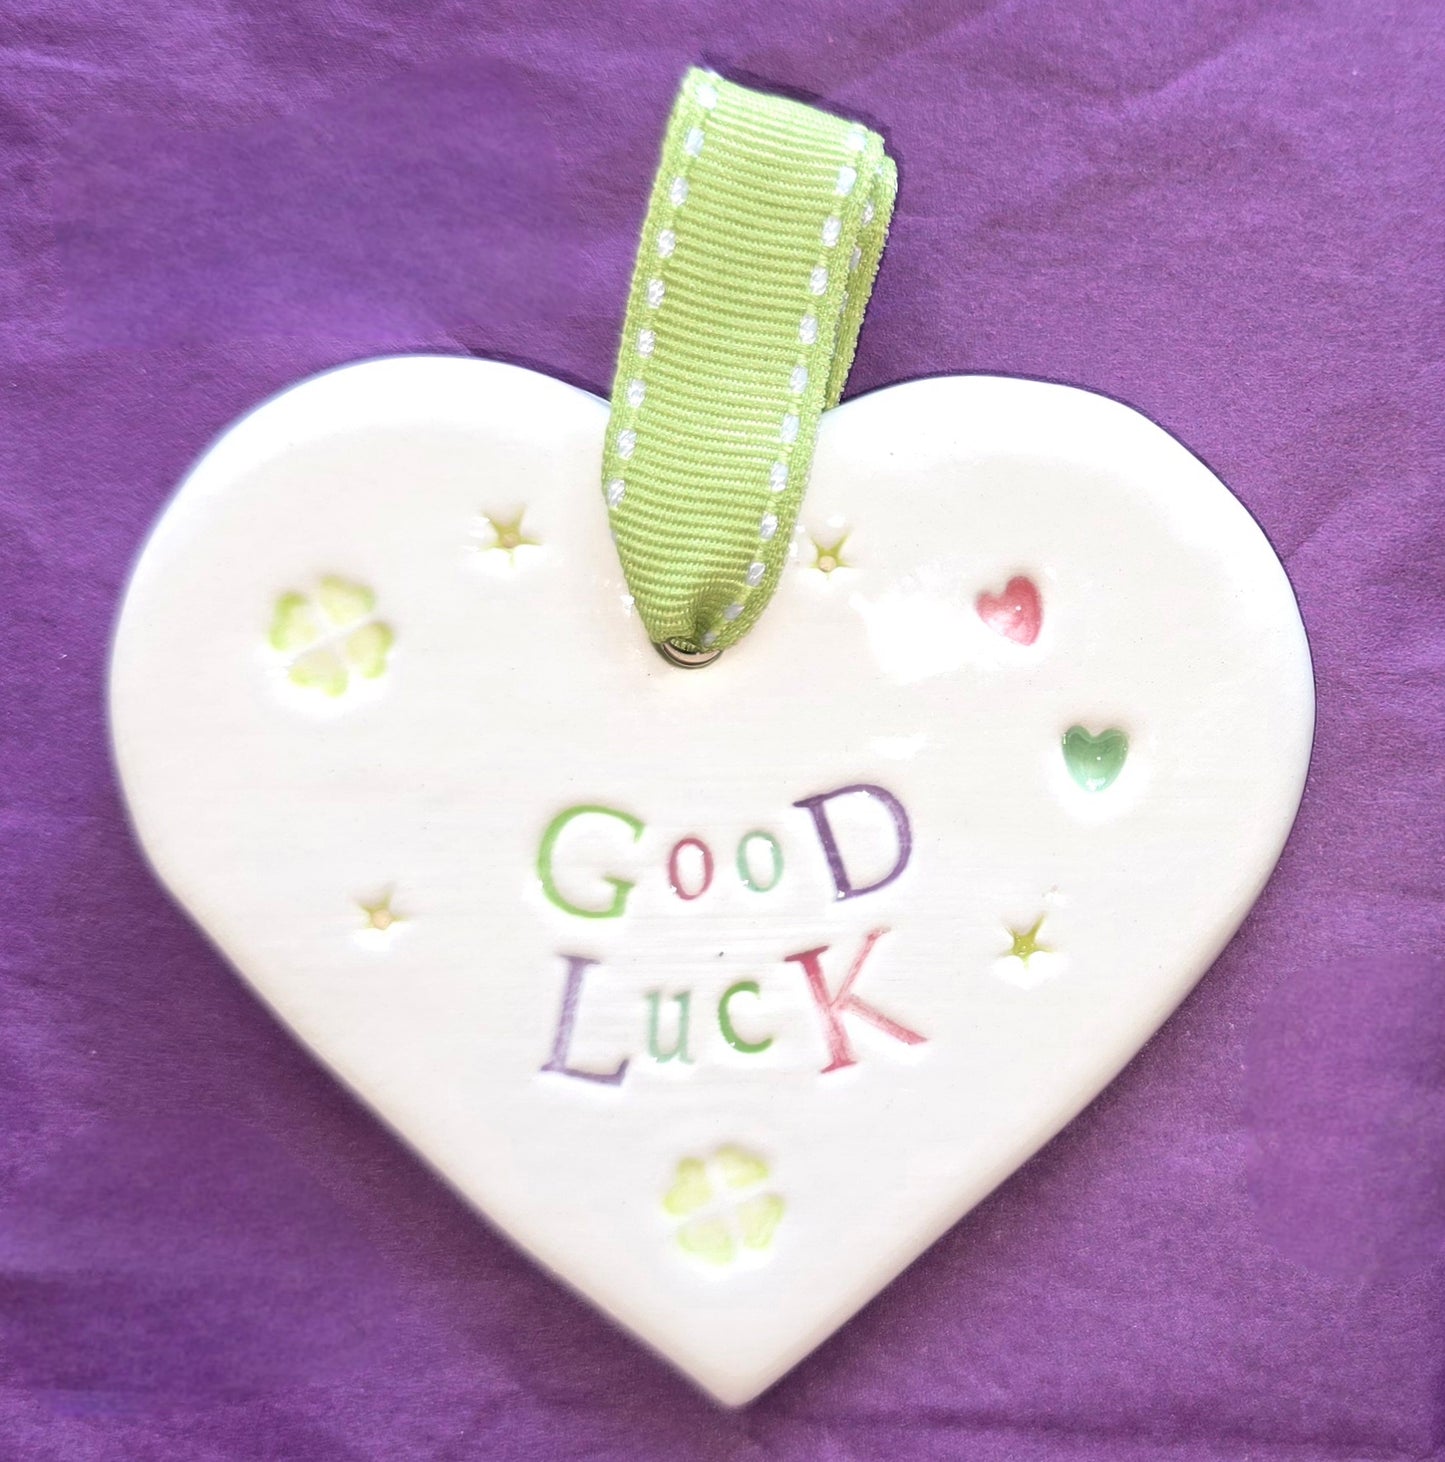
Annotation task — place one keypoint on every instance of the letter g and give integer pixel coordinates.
(621, 887)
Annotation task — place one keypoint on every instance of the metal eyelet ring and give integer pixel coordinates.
(686, 659)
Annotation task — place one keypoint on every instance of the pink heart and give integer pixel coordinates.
(1017, 612)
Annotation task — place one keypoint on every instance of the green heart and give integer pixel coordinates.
(1094, 761)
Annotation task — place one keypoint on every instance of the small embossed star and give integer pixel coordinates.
(508, 535)
(1026, 944)
(828, 557)
(379, 913)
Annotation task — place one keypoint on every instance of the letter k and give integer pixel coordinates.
(833, 1008)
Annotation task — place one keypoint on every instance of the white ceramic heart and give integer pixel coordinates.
(365, 845)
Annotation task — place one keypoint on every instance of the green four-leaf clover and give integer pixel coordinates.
(330, 636)
(724, 1213)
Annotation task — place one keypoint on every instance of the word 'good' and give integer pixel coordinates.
(691, 884)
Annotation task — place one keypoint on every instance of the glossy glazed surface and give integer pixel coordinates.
(835, 915)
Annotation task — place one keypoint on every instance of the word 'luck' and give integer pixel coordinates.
(831, 1005)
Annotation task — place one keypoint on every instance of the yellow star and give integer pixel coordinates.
(1026, 944)
(379, 914)
(507, 534)
(829, 556)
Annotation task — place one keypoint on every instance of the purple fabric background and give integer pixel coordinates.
(1227, 213)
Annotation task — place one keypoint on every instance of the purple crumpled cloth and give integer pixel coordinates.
(1227, 213)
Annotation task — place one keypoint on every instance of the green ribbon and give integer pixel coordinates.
(761, 244)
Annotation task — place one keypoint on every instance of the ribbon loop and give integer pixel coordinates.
(763, 237)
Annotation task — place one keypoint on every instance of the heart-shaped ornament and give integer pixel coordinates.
(725, 992)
